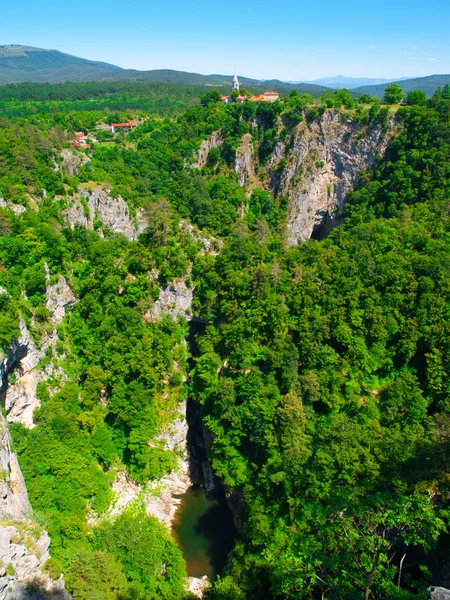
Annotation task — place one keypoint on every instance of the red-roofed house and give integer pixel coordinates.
(80, 140)
(79, 144)
(271, 96)
(226, 99)
(128, 126)
(266, 97)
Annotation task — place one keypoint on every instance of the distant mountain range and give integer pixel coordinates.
(426, 84)
(26, 64)
(341, 81)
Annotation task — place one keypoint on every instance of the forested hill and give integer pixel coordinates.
(426, 84)
(25, 64)
(322, 365)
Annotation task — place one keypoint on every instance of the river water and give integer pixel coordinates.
(204, 530)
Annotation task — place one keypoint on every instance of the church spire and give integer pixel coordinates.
(235, 82)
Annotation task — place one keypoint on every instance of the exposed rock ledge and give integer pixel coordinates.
(20, 399)
(244, 163)
(324, 165)
(89, 207)
(197, 585)
(213, 141)
(23, 553)
(72, 161)
(13, 493)
(16, 208)
(175, 299)
(439, 593)
(162, 497)
(23, 544)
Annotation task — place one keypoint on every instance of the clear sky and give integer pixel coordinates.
(284, 39)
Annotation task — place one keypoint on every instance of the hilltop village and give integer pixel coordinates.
(266, 97)
(82, 141)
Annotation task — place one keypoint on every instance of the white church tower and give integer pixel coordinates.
(235, 82)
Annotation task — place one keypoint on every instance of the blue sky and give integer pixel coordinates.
(283, 39)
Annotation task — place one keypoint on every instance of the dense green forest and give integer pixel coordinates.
(322, 369)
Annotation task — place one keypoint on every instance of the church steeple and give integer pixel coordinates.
(236, 83)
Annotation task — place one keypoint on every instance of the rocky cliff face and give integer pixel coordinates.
(96, 206)
(439, 593)
(16, 208)
(213, 141)
(23, 544)
(13, 493)
(323, 162)
(71, 162)
(23, 554)
(163, 496)
(244, 163)
(323, 165)
(174, 300)
(23, 357)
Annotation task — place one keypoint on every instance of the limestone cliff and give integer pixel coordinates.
(13, 493)
(175, 299)
(23, 544)
(97, 208)
(163, 496)
(71, 161)
(324, 164)
(322, 161)
(16, 208)
(23, 554)
(244, 163)
(23, 357)
(439, 593)
(213, 141)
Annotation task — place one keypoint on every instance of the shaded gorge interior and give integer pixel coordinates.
(203, 526)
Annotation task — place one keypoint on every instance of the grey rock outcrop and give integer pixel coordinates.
(213, 141)
(88, 207)
(13, 493)
(23, 544)
(71, 162)
(324, 164)
(163, 496)
(23, 554)
(59, 297)
(439, 593)
(244, 163)
(16, 208)
(23, 356)
(164, 504)
(211, 245)
(174, 300)
(197, 585)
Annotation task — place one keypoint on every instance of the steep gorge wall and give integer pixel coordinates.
(89, 207)
(23, 544)
(323, 162)
(23, 357)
